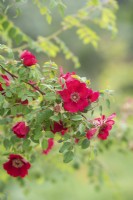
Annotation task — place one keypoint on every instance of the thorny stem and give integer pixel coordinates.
(14, 76)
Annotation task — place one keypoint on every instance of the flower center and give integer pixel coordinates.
(17, 163)
(102, 128)
(75, 97)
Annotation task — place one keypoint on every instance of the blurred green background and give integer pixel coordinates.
(108, 67)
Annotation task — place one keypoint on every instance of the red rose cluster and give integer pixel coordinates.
(76, 97)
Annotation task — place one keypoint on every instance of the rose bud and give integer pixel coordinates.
(57, 108)
(76, 140)
(20, 129)
(28, 58)
(17, 166)
(6, 80)
(25, 102)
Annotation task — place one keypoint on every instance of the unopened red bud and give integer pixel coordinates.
(57, 108)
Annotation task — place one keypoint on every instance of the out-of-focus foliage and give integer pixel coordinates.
(95, 12)
(46, 9)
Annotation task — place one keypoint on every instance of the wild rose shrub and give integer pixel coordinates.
(39, 104)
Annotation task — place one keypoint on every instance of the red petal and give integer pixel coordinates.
(71, 106)
(82, 104)
(14, 156)
(50, 146)
(83, 90)
(90, 133)
(73, 85)
(110, 122)
(111, 116)
(94, 96)
(65, 94)
(23, 171)
(103, 135)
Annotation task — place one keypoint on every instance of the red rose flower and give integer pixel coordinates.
(58, 127)
(20, 129)
(90, 133)
(17, 166)
(105, 125)
(50, 146)
(6, 80)
(75, 96)
(28, 58)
